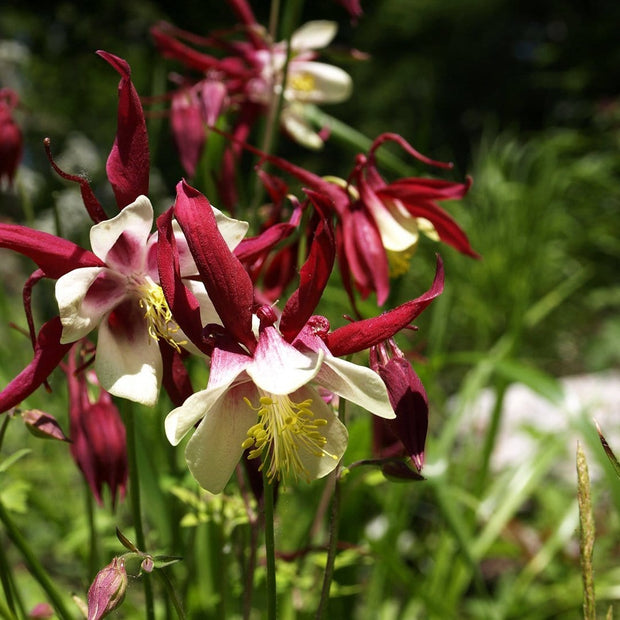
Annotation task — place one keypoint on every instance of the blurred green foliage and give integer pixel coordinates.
(522, 96)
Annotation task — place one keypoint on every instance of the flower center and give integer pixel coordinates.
(302, 82)
(398, 262)
(286, 430)
(157, 313)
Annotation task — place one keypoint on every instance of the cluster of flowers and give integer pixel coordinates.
(197, 285)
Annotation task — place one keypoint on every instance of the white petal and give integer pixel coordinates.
(334, 431)
(397, 227)
(232, 230)
(314, 35)
(299, 128)
(280, 368)
(135, 219)
(180, 420)
(129, 367)
(214, 449)
(79, 318)
(357, 384)
(317, 82)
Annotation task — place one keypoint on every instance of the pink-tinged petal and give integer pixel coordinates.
(313, 278)
(43, 425)
(93, 206)
(357, 384)
(225, 370)
(214, 449)
(128, 163)
(128, 362)
(84, 296)
(184, 306)
(48, 353)
(121, 241)
(188, 128)
(227, 283)
(55, 256)
(361, 335)
(334, 432)
(280, 368)
(213, 95)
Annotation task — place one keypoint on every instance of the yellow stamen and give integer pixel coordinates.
(157, 314)
(284, 429)
(399, 261)
(303, 82)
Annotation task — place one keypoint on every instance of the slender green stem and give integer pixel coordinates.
(270, 549)
(171, 592)
(134, 488)
(93, 551)
(6, 577)
(36, 568)
(332, 547)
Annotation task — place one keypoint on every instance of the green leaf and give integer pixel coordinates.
(9, 461)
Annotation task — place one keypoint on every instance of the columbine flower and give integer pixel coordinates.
(262, 392)
(307, 81)
(381, 222)
(115, 287)
(11, 140)
(124, 300)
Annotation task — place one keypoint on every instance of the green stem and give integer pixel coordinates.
(35, 567)
(93, 554)
(171, 592)
(270, 549)
(134, 487)
(332, 547)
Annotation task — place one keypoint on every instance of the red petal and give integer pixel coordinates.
(128, 163)
(227, 283)
(313, 278)
(361, 335)
(54, 255)
(184, 306)
(48, 354)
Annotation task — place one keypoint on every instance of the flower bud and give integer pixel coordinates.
(405, 434)
(43, 425)
(107, 590)
(11, 140)
(98, 436)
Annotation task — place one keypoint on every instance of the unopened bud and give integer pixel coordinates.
(148, 564)
(43, 425)
(107, 590)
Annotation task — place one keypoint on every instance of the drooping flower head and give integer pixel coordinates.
(406, 433)
(97, 431)
(379, 223)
